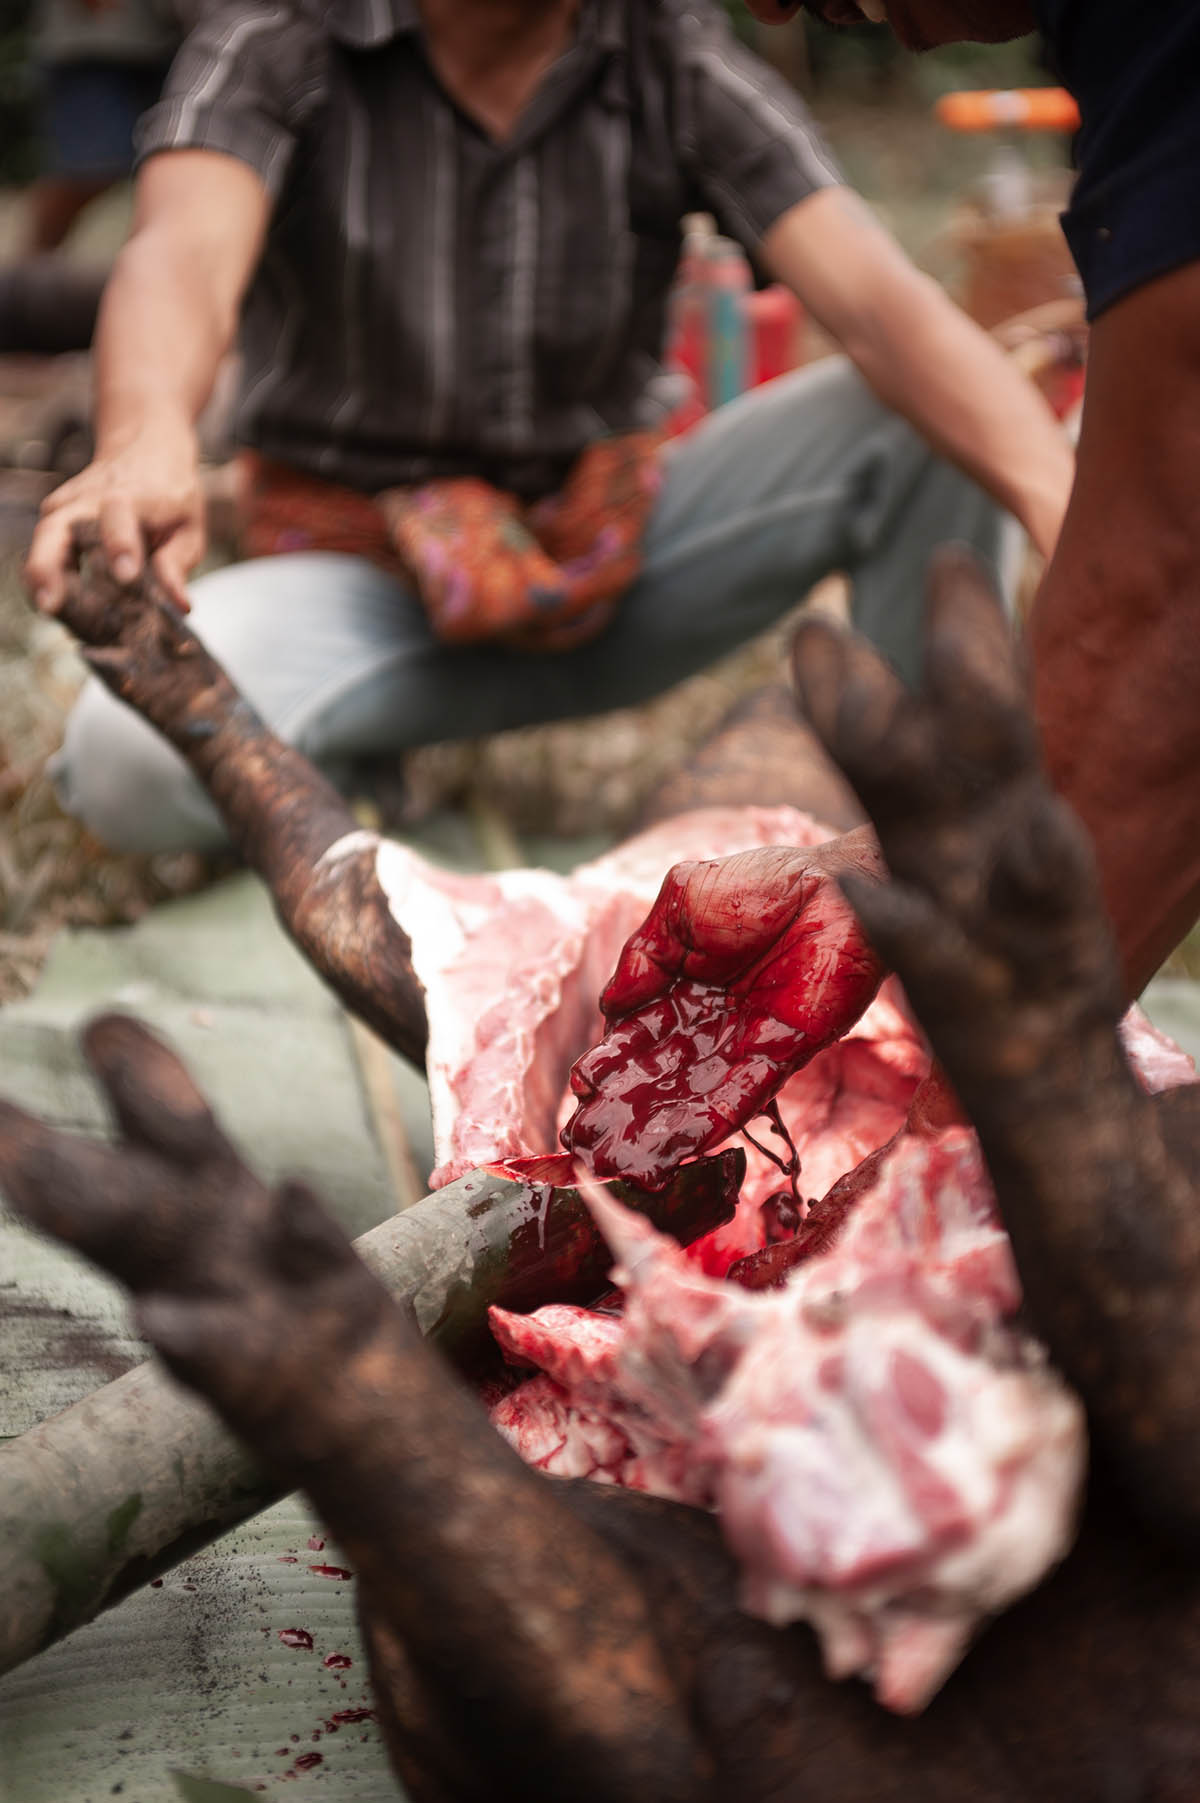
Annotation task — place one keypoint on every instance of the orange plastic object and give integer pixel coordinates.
(1026, 109)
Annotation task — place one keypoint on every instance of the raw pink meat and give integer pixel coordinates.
(1156, 1059)
(891, 1461)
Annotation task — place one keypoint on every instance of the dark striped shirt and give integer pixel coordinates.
(432, 302)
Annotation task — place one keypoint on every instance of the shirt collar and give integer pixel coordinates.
(366, 24)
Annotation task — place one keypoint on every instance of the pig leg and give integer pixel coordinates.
(993, 920)
(285, 819)
(517, 1637)
(763, 754)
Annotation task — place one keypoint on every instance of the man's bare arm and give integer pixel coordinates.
(1116, 628)
(924, 357)
(169, 314)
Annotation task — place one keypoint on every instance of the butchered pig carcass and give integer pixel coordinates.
(541, 1639)
(891, 1460)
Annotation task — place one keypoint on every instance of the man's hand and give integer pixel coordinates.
(146, 495)
(743, 971)
(169, 313)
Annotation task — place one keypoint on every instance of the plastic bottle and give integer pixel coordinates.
(727, 281)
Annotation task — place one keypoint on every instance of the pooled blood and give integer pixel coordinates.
(330, 1571)
(306, 1762)
(349, 1717)
(337, 1662)
(297, 1637)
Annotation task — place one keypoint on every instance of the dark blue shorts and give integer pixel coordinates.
(1134, 68)
(89, 111)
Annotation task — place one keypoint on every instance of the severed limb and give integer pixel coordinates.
(492, 1237)
(285, 819)
(762, 753)
(993, 920)
(483, 1588)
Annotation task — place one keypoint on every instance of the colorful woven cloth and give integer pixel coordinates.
(484, 565)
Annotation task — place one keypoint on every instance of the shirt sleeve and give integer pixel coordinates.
(1135, 211)
(245, 81)
(751, 141)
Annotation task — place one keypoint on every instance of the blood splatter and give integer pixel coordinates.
(297, 1637)
(337, 1662)
(330, 1571)
(307, 1761)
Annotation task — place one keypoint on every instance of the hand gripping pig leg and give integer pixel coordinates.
(281, 814)
(519, 1639)
(993, 920)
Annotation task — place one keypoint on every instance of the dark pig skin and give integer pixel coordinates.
(282, 815)
(534, 1639)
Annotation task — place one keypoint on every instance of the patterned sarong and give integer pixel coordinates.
(485, 565)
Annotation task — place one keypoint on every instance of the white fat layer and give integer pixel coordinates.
(348, 846)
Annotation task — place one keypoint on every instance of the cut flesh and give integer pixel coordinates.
(891, 1460)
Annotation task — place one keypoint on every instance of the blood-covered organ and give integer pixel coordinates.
(891, 1459)
(512, 966)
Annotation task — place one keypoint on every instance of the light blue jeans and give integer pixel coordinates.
(808, 475)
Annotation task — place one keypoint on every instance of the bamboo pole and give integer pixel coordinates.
(126, 1483)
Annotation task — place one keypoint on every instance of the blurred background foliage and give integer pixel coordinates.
(866, 62)
(18, 148)
(835, 66)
